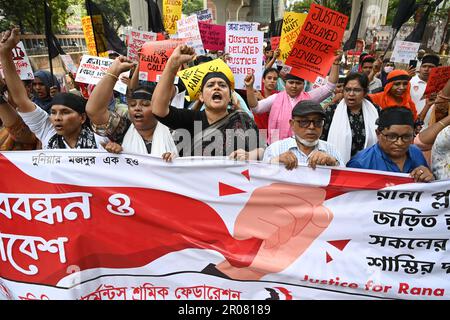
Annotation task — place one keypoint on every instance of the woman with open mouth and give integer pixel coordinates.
(215, 131)
(67, 126)
(139, 132)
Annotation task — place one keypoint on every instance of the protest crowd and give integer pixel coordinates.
(241, 95)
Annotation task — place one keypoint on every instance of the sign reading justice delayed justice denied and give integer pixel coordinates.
(314, 51)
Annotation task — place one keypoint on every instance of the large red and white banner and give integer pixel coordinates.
(92, 225)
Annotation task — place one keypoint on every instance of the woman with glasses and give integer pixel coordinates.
(394, 151)
(350, 125)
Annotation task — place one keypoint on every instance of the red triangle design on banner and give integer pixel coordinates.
(246, 174)
(225, 190)
(340, 244)
(329, 258)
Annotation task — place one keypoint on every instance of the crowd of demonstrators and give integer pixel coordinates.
(370, 117)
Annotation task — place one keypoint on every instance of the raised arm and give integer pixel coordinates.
(163, 92)
(8, 42)
(251, 95)
(97, 105)
(275, 56)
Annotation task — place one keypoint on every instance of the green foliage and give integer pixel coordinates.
(29, 14)
(117, 12)
(343, 6)
(191, 6)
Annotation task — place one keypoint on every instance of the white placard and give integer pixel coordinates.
(136, 40)
(22, 63)
(188, 29)
(92, 69)
(405, 51)
(246, 51)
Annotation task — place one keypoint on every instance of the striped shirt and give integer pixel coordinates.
(290, 144)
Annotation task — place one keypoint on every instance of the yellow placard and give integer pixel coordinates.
(193, 77)
(94, 42)
(171, 14)
(292, 25)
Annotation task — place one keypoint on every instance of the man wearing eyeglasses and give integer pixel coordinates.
(394, 151)
(304, 147)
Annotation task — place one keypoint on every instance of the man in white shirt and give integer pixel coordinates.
(308, 118)
(419, 83)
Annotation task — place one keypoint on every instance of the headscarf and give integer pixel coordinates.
(385, 99)
(46, 78)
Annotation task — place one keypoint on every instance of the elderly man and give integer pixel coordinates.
(419, 83)
(394, 151)
(304, 147)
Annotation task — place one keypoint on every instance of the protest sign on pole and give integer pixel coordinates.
(193, 77)
(292, 25)
(171, 14)
(188, 29)
(437, 79)
(404, 51)
(136, 40)
(213, 36)
(21, 62)
(96, 45)
(328, 233)
(245, 50)
(315, 48)
(68, 63)
(204, 16)
(92, 69)
(154, 56)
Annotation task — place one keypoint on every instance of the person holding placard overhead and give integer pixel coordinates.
(220, 131)
(280, 105)
(67, 126)
(138, 131)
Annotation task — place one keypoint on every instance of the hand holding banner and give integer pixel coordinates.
(315, 47)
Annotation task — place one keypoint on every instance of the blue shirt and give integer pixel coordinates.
(290, 144)
(376, 159)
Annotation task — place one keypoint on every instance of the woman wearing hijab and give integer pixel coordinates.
(139, 132)
(396, 92)
(44, 88)
(66, 126)
(214, 131)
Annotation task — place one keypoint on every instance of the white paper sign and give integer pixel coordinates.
(136, 40)
(22, 63)
(204, 15)
(188, 29)
(68, 63)
(242, 26)
(404, 51)
(246, 52)
(92, 69)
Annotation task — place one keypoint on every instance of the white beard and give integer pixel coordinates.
(307, 143)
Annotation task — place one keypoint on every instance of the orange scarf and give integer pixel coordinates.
(385, 99)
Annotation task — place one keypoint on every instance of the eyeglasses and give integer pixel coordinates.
(354, 90)
(395, 137)
(305, 123)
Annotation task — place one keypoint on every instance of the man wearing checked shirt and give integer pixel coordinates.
(304, 147)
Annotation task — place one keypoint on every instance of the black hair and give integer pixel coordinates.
(360, 77)
(202, 59)
(267, 71)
